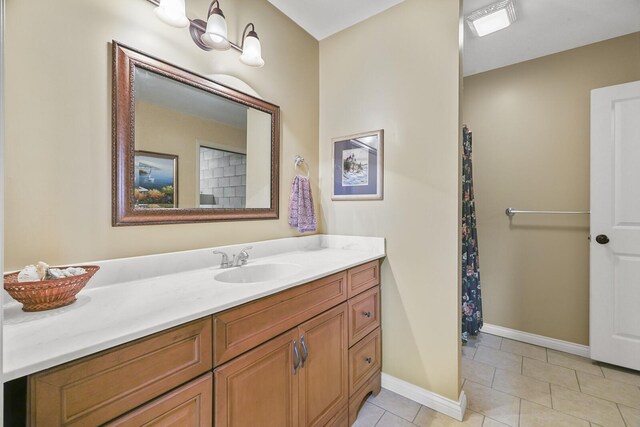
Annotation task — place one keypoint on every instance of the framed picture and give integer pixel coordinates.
(155, 180)
(358, 166)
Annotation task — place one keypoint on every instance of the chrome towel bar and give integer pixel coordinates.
(510, 212)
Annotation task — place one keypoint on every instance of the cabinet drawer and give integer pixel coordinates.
(240, 329)
(99, 388)
(363, 277)
(364, 314)
(189, 405)
(364, 360)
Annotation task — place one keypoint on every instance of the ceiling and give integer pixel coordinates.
(543, 27)
(159, 90)
(326, 17)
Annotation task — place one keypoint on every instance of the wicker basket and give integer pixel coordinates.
(47, 294)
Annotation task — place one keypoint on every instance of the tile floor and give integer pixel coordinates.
(510, 383)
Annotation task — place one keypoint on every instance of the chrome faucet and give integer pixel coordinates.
(236, 261)
(242, 257)
(224, 262)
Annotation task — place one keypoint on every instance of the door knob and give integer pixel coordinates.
(602, 239)
(368, 360)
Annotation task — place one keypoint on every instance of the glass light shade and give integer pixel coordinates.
(172, 12)
(491, 23)
(252, 52)
(216, 34)
(492, 18)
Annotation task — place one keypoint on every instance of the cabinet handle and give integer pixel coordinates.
(296, 353)
(368, 360)
(366, 313)
(305, 352)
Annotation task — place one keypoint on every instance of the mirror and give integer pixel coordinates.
(188, 149)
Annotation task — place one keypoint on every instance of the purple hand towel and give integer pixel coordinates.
(301, 213)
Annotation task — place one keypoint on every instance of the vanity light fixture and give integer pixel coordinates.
(211, 34)
(492, 18)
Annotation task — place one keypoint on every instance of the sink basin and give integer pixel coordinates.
(258, 273)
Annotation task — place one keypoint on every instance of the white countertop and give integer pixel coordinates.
(133, 297)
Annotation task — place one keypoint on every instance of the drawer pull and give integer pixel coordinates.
(296, 353)
(368, 360)
(305, 352)
(366, 313)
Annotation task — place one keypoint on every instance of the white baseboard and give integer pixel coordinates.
(552, 343)
(425, 397)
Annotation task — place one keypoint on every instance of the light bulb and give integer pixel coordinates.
(172, 12)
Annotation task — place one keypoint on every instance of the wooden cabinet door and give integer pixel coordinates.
(324, 372)
(259, 387)
(187, 406)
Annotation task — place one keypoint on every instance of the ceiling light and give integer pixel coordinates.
(492, 18)
(211, 34)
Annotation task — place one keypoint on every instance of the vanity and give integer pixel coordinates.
(298, 350)
(287, 334)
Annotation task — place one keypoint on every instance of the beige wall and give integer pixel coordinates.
(530, 124)
(166, 131)
(399, 71)
(58, 121)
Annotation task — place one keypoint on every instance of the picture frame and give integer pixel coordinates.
(358, 166)
(155, 180)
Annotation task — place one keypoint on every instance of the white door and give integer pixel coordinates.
(615, 225)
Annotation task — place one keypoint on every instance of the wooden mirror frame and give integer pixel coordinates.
(125, 61)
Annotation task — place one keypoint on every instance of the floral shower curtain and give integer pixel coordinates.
(471, 297)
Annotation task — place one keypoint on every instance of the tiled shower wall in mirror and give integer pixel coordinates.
(223, 178)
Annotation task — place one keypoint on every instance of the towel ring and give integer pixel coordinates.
(298, 161)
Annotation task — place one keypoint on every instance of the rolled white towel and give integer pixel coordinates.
(55, 273)
(29, 274)
(74, 271)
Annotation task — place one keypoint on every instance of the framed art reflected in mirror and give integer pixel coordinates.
(155, 180)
